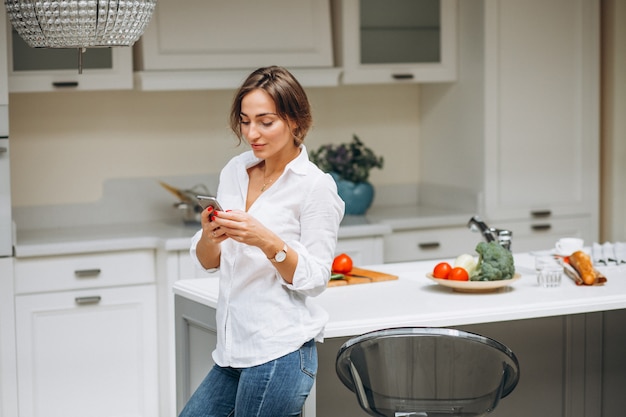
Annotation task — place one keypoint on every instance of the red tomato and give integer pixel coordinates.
(458, 274)
(442, 270)
(342, 264)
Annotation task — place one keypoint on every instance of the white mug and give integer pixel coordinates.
(568, 245)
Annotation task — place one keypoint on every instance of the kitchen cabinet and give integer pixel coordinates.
(8, 371)
(171, 266)
(362, 250)
(541, 234)
(86, 335)
(399, 41)
(42, 69)
(217, 44)
(521, 124)
(436, 243)
(196, 338)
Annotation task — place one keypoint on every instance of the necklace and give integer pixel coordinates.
(266, 181)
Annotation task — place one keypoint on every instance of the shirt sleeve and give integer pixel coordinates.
(321, 214)
(192, 252)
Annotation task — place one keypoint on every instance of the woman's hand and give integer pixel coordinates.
(240, 226)
(244, 228)
(208, 248)
(210, 229)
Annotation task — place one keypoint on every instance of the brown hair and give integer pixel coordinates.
(292, 104)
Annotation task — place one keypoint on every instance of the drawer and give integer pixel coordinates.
(57, 273)
(529, 235)
(414, 245)
(363, 251)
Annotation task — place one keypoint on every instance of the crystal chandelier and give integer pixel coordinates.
(79, 23)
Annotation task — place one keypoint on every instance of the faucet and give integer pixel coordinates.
(475, 224)
(491, 234)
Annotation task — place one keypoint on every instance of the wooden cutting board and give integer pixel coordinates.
(361, 276)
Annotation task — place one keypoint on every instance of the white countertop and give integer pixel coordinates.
(414, 300)
(158, 235)
(175, 235)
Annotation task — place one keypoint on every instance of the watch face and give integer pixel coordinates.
(280, 256)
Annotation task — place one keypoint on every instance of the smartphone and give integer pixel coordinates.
(206, 201)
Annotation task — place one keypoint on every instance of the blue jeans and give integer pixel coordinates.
(274, 389)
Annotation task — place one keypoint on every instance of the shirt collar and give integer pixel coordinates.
(297, 165)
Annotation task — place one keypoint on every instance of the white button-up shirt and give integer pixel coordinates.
(260, 317)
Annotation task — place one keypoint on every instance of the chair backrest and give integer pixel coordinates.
(427, 372)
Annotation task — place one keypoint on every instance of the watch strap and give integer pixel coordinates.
(276, 256)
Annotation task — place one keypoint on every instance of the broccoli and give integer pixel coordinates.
(494, 262)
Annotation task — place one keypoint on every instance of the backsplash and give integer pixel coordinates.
(144, 200)
(83, 140)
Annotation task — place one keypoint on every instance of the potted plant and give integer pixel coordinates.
(350, 165)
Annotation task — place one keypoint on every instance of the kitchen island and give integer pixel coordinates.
(557, 333)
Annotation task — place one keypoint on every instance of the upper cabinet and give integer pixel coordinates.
(43, 69)
(218, 43)
(404, 40)
(521, 124)
(213, 34)
(4, 89)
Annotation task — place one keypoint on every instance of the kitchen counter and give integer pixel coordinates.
(175, 235)
(414, 300)
(557, 333)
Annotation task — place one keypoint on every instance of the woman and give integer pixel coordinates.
(274, 245)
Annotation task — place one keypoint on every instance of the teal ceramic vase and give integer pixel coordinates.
(357, 196)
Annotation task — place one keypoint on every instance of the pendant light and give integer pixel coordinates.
(79, 24)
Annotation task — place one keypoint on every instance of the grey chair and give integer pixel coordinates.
(426, 372)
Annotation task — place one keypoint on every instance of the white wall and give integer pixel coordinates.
(613, 204)
(65, 145)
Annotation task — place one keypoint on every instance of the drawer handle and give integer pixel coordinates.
(402, 76)
(428, 245)
(541, 213)
(95, 299)
(65, 84)
(87, 273)
(541, 227)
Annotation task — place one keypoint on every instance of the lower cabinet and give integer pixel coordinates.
(542, 234)
(87, 353)
(86, 335)
(196, 338)
(362, 250)
(422, 244)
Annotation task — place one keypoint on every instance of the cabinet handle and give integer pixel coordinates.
(87, 273)
(402, 76)
(95, 299)
(541, 227)
(65, 84)
(541, 213)
(3, 149)
(428, 245)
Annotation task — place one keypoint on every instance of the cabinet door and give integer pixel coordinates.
(363, 251)
(44, 69)
(8, 373)
(87, 353)
(196, 338)
(211, 34)
(403, 40)
(542, 107)
(414, 245)
(542, 234)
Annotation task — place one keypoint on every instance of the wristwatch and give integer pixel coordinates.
(281, 255)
